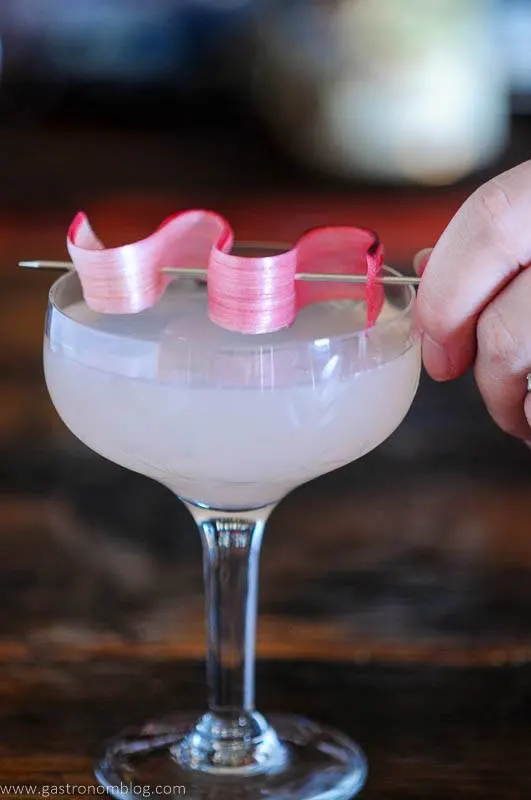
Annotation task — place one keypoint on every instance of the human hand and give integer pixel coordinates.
(474, 300)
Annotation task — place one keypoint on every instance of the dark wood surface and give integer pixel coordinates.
(396, 593)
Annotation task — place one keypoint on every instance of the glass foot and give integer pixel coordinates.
(317, 763)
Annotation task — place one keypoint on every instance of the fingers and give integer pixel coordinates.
(482, 249)
(527, 410)
(504, 356)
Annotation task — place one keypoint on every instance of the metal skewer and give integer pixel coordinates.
(310, 277)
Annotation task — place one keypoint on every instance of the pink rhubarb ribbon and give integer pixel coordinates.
(248, 295)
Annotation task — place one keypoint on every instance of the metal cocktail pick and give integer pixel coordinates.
(310, 277)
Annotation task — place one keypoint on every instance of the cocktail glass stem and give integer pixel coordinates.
(232, 752)
(232, 736)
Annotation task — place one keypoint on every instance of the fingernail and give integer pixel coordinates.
(436, 360)
(421, 260)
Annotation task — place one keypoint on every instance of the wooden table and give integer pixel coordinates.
(396, 593)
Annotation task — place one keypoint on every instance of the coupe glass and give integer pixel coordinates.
(231, 423)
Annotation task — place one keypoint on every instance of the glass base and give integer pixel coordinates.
(316, 763)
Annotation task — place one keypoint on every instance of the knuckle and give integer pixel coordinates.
(503, 407)
(498, 344)
(493, 210)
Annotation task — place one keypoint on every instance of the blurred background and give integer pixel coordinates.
(280, 115)
(408, 91)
